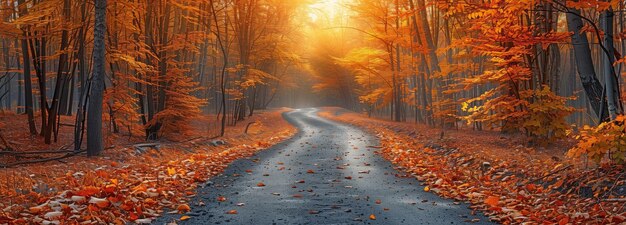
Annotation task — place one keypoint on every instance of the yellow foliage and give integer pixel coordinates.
(546, 115)
(606, 140)
(541, 113)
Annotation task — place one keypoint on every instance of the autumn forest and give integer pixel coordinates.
(312, 112)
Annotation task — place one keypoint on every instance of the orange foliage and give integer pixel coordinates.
(520, 99)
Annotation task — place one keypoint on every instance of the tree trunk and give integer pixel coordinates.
(20, 93)
(28, 90)
(224, 49)
(609, 71)
(60, 82)
(432, 49)
(28, 87)
(584, 65)
(82, 71)
(94, 117)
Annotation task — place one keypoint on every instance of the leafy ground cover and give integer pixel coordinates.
(126, 185)
(499, 174)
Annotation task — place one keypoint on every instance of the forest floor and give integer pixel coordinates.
(128, 183)
(499, 173)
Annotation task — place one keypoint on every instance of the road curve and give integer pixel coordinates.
(325, 174)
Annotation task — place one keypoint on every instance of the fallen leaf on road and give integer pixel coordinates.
(221, 198)
(143, 221)
(260, 184)
(426, 189)
(231, 211)
(372, 217)
(183, 218)
(183, 208)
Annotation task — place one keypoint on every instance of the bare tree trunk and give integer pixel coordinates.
(20, 93)
(149, 39)
(609, 78)
(60, 82)
(94, 117)
(6, 93)
(28, 87)
(432, 49)
(38, 52)
(82, 67)
(584, 64)
(224, 49)
(163, 85)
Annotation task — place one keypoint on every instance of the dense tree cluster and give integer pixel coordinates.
(529, 66)
(502, 64)
(160, 63)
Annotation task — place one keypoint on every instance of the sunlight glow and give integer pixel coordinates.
(327, 9)
(313, 17)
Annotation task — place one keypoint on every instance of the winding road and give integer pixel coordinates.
(328, 173)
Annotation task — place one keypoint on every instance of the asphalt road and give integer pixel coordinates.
(325, 174)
